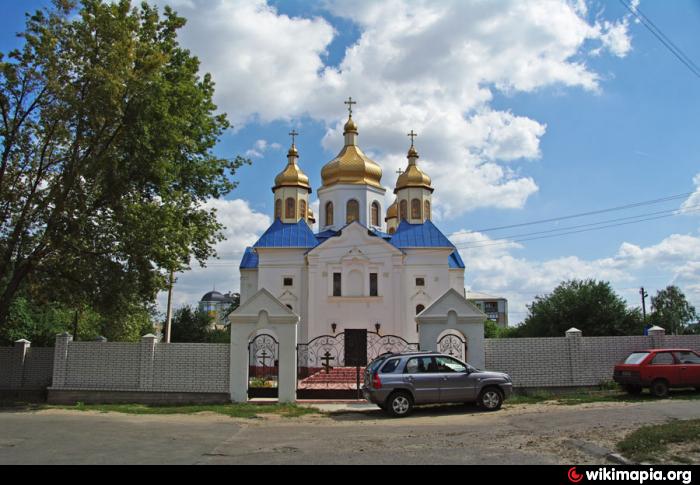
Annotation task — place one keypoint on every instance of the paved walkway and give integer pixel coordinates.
(521, 434)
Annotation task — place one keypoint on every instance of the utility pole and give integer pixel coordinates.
(169, 314)
(644, 294)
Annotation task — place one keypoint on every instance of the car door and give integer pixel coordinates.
(422, 379)
(456, 384)
(689, 373)
(663, 366)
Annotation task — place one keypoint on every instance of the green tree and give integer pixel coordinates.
(191, 326)
(106, 139)
(591, 306)
(671, 311)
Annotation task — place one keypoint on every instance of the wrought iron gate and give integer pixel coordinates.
(322, 371)
(263, 366)
(454, 345)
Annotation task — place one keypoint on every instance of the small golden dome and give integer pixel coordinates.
(352, 166)
(311, 216)
(393, 211)
(413, 176)
(292, 175)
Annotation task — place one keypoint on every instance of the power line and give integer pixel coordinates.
(591, 213)
(658, 33)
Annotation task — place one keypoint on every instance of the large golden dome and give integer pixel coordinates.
(292, 175)
(352, 166)
(413, 176)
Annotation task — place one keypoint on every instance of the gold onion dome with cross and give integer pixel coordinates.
(351, 166)
(292, 175)
(413, 176)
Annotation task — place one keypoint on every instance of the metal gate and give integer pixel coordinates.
(263, 366)
(322, 371)
(454, 345)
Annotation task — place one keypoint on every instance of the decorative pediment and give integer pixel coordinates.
(451, 302)
(355, 255)
(263, 305)
(421, 295)
(288, 296)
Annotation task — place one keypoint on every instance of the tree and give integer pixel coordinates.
(671, 311)
(191, 326)
(106, 134)
(591, 306)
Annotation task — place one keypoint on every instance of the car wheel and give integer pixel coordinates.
(399, 404)
(490, 399)
(659, 388)
(633, 390)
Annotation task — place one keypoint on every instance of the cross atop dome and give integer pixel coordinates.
(294, 134)
(350, 103)
(413, 136)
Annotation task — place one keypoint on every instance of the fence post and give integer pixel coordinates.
(60, 360)
(658, 335)
(574, 340)
(17, 374)
(148, 351)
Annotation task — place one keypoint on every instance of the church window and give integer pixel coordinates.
(278, 209)
(420, 282)
(288, 281)
(403, 210)
(427, 210)
(353, 211)
(415, 209)
(375, 214)
(337, 284)
(419, 309)
(373, 284)
(290, 212)
(329, 214)
(302, 209)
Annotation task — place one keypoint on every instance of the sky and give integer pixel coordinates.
(526, 111)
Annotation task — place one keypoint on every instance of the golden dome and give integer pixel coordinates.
(352, 166)
(413, 176)
(292, 175)
(393, 211)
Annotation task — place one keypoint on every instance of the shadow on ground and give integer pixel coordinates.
(436, 411)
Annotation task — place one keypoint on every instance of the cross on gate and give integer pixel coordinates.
(263, 358)
(350, 102)
(327, 362)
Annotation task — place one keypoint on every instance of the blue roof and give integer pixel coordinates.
(280, 235)
(424, 235)
(455, 261)
(250, 259)
(325, 235)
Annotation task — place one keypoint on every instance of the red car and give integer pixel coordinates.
(659, 370)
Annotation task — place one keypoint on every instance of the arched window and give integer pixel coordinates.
(290, 212)
(353, 211)
(419, 309)
(278, 209)
(375, 213)
(415, 209)
(329, 214)
(427, 210)
(302, 210)
(403, 211)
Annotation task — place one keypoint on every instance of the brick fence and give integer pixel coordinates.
(25, 372)
(574, 360)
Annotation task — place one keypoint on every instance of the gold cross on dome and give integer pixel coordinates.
(350, 102)
(413, 136)
(294, 135)
(399, 171)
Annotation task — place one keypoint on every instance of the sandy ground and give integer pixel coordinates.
(518, 434)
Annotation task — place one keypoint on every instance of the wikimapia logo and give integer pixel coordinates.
(640, 476)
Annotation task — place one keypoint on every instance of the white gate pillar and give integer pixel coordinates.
(263, 311)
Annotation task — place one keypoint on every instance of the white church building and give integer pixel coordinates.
(369, 266)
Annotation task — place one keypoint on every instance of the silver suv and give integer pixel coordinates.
(397, 382)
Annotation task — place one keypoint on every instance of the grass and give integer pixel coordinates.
(591, 396)
(650, 443)
(248, 411)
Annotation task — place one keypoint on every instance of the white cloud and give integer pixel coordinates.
(692, 204)
(429, 66)
(260, 147)
(243, 226)
(493, 267)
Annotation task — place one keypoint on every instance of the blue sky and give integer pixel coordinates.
(621, 130)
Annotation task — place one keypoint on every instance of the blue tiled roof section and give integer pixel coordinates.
(250, 259)
(281, 235)
(455, 261)
(381, 234)
(424, 235)
(323, 236)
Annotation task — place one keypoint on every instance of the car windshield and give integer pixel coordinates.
(374, 365)
(636, 358)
